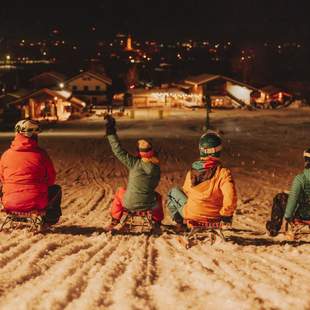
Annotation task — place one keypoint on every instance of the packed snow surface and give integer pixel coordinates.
(78, 266)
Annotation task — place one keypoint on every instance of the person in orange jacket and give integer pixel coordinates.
(28, 176)
(209, 190)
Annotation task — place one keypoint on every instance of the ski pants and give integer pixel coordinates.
(117, 208)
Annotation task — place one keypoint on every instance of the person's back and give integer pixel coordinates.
(142, 182)
(298, 204)
(206, 198)
(209, 191)
(26, 173)
(292, 206)
(28, 176)
(144, 177)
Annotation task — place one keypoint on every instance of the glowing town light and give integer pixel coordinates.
(55, 98)
(280, 96)
(8, 57)
(61, 85)
(44, 53)
(132, 61)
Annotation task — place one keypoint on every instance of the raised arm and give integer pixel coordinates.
(122, 155)
(293, 198)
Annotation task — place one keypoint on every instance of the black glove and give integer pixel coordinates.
(110, 125)
(227, 219)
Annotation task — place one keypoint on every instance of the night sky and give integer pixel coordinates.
(170, 19)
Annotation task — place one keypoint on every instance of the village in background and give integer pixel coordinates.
(138, 77)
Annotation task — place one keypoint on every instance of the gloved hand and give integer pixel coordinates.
(110, 125)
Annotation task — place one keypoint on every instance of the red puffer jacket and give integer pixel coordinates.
(26, 172)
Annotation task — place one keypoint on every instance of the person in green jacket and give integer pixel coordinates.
(296, 204)
(144, 176)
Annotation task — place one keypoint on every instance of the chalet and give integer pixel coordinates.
(50, 79)
(48, 104)
(223, 91)
(271, 93)
(226, 92)
(161, 97)
(90, 87)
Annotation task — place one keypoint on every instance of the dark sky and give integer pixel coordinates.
(169, 19)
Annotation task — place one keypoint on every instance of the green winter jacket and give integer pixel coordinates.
(298, 204)
(142, 181)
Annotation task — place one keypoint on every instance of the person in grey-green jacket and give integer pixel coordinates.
(144, 176)
(296, 204)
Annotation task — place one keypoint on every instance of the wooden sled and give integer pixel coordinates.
(207, 232)
(16, 219)
(293, 230)
(135, 222)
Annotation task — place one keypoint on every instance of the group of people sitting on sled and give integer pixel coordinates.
(27, 176)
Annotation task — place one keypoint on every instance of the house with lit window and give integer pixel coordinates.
(50, 105)
(222, 91)
(49, 79)
(274, 95)
(227, 92)
(90, 87)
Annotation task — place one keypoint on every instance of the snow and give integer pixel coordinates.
(78, 266)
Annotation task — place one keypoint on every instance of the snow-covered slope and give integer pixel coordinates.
(78, 266)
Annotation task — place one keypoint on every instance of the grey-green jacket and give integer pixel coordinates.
(298, 204)
(143, 178)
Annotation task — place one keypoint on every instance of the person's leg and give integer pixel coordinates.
(53, 210)
(277, 212)
(157, 212)
(117, 207)
(175, 202)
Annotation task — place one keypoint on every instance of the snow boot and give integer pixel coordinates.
(180, 227)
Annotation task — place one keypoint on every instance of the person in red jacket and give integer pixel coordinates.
(28, 175)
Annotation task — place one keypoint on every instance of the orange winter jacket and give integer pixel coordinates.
(211, 198)
(26, 172)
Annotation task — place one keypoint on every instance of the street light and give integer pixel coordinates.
(61, 85)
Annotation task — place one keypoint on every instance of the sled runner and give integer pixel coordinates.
(15, 219)
(135, 222)
(294, 229)
(207, 232)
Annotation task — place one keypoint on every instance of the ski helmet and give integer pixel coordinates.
(28, 127)
(210, 144)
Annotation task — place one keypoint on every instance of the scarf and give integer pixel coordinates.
(149, 157)
(206, 163)
(204, 169)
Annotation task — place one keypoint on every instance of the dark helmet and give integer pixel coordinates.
(210, 144)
